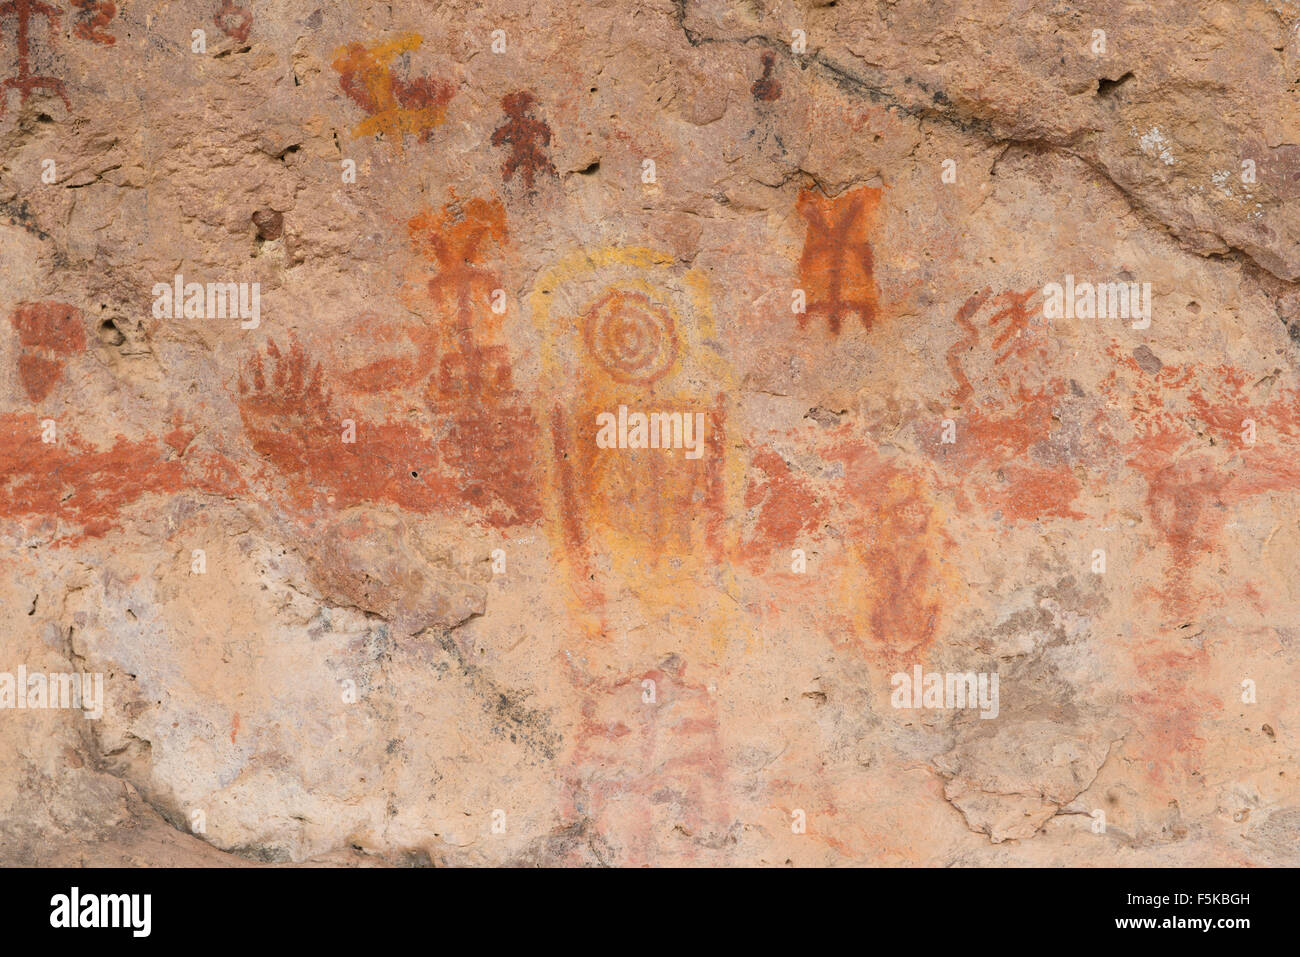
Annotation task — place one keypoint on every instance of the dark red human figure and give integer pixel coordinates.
(527, 137)
(25, 82)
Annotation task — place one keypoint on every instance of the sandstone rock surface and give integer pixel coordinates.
(365, 588)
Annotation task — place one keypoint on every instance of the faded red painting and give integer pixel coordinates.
(648, 777)
(1191, 485)
(48, 333)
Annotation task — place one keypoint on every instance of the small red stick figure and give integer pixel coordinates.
(526, 136)
(25, 82)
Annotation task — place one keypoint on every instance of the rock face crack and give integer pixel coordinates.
(941, 109)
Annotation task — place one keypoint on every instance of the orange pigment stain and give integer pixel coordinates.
(847, 835)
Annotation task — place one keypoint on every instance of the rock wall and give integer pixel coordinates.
(650, 433)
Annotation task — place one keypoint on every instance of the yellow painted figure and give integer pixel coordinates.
(636, 412)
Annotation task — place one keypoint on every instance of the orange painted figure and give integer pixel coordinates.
(394, 107)
(892, 589)
(493, 436)
(836, 269)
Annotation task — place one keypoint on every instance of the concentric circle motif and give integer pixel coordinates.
(631, 336)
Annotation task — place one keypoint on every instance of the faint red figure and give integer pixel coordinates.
(648, 768)
(24, 81)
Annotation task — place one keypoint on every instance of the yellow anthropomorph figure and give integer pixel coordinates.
(634, 409)
(635, 413)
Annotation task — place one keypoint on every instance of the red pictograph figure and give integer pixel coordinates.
(527, 137)
(1005, 366)
(456, 241)
(491, 429)
(766, 87)
(95, 15)
(24, 81)
(648, 770)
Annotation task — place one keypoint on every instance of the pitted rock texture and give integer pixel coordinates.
(340, 529)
